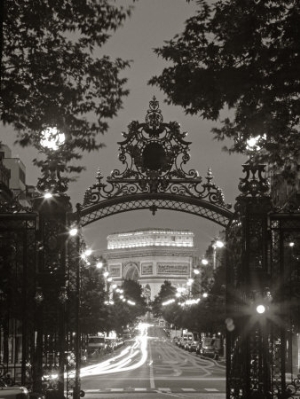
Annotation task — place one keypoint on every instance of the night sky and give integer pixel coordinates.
(152, 22)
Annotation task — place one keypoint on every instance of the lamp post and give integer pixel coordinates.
(52, 208)
(217, 244)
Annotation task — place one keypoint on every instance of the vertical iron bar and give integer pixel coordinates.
(76, 394)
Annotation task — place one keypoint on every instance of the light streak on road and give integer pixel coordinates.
(136, 355)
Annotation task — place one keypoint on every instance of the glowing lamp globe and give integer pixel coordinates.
(73, 231)
(52, 138)
(219, 244)
(260, 309)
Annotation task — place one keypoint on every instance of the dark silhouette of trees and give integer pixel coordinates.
(53, 72)
(93, 311)
(167, 291)
(206, 316)
(123, 313)
(243, 57)
(210, 313)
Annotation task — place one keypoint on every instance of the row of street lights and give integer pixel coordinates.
(110, 288)
(185, 294)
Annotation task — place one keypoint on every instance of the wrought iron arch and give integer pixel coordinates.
(154, 154)
(154, 202)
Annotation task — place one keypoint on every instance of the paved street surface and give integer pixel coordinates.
(152, 366)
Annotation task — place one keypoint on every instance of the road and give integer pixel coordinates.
(152, 366)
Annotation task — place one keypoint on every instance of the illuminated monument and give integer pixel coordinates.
(151, 256)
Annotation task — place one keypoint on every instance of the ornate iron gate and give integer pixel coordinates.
(39, 296)
(264, 270)
(248, 332)
(154, 154)
(263, 300)
(17, 291)
(285, 286)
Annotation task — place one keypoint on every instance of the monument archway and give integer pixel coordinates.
(131, 271)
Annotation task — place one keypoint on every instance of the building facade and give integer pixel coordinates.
(151, 256)
(13, 179)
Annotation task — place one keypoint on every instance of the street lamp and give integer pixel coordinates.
(99, 264)
(255, 143)
(260, 309)
(52, 138)
(51, 141)
(217, 244)
(53, 231)
(73, 231)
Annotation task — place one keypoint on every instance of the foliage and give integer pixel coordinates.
(122, 313)
(215, 303)
(167, 291)
(206, 316)
(93, 312)
(134, 292)
(172, 313)
(51, 74)
(241, 56)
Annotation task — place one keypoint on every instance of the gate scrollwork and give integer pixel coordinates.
(154, 155)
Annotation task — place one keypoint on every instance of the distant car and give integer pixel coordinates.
(183, 341)
(209, 347)
(210, 352)
(14, 392)
(192, 345)
(176, 340)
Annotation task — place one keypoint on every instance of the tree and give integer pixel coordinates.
(241, 56)
(133, 291)
(93, 312)
(124, 313)
(51, 76)
(167, 291)
(173, 313)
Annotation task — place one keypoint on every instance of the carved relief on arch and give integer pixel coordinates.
(131, 271)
